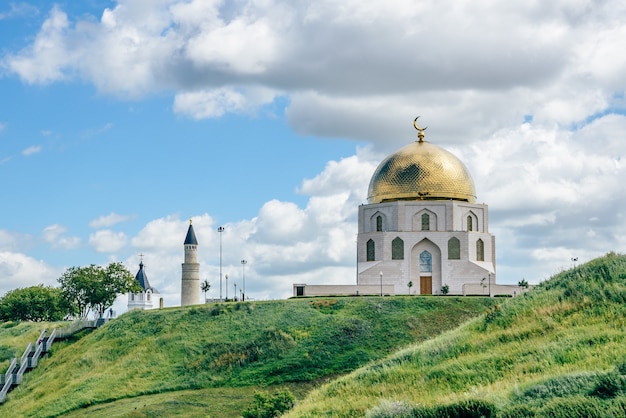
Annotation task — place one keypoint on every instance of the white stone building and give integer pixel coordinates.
(421, 230)
(149, 297)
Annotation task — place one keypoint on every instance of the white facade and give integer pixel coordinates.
(148, 298)
(429, 243)
(144, 300)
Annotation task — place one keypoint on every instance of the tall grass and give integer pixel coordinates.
(231, 345)
(15, 336)
(569, 334)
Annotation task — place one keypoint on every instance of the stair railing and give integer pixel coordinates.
(7, 380)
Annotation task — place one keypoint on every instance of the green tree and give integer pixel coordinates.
(523, 283)
(94, 288)
(35, 303)
(205, 286)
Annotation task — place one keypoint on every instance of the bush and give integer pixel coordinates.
(608, 386)
(561, 386)
(519, 411)
(389, 409)
(574, 407)
(471, 408)
(270, 406)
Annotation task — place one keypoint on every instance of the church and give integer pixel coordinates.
(148, 297)
(421, 231)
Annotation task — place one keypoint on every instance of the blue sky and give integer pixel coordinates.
(121, 120)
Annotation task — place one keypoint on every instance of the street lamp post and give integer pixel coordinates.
(226, 286)
(243, 275)
(220, 230)
(381, 283)
(235, 297)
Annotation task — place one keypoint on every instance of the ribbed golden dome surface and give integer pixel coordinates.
(421, 171)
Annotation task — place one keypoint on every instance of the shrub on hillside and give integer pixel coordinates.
(609, 385)
(270, 406)
(389, 409)
(471, 408)
(519, 411)
(561, 386)
(575, 407)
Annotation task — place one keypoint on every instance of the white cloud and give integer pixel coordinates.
(55, 236)
(347, 66)
(109, 220)
(48, 58)
(10, 241)
(32, 150)
(204, 104)
(16, 10)
(107, 241)
(3, 126)
(18, 270)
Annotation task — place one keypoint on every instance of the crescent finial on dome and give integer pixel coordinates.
(420, 135)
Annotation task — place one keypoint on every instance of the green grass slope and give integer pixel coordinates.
(14, 337)
(559, 351)
(209, 359)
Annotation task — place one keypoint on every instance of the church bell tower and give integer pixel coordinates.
(190, 283)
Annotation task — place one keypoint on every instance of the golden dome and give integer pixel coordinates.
(421, 171)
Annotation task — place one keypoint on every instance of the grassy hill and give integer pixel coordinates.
(209, 360)
(559, 351)
(15, 336)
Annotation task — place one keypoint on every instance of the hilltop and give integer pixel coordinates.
(210, 359)
(558, 351)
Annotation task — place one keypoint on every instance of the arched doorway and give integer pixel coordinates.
(426, 267)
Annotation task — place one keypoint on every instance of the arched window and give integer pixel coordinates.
(371, 252)
(480, 250)
(426, 262)
(397, 249)
(379, 223)
(469, 223)
(425, 222)
(148, 295)
(454, 249)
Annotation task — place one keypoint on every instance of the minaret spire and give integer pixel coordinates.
(190, 280)
(420, 135)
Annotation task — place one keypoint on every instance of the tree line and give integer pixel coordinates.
(82, 290)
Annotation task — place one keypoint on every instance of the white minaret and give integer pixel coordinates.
(190, 283)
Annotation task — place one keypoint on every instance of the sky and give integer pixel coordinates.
(122, 120)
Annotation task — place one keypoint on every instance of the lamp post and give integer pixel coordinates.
(235, 297)
(243, 275)
(220, 230)
(381, 283)
(226, 287)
